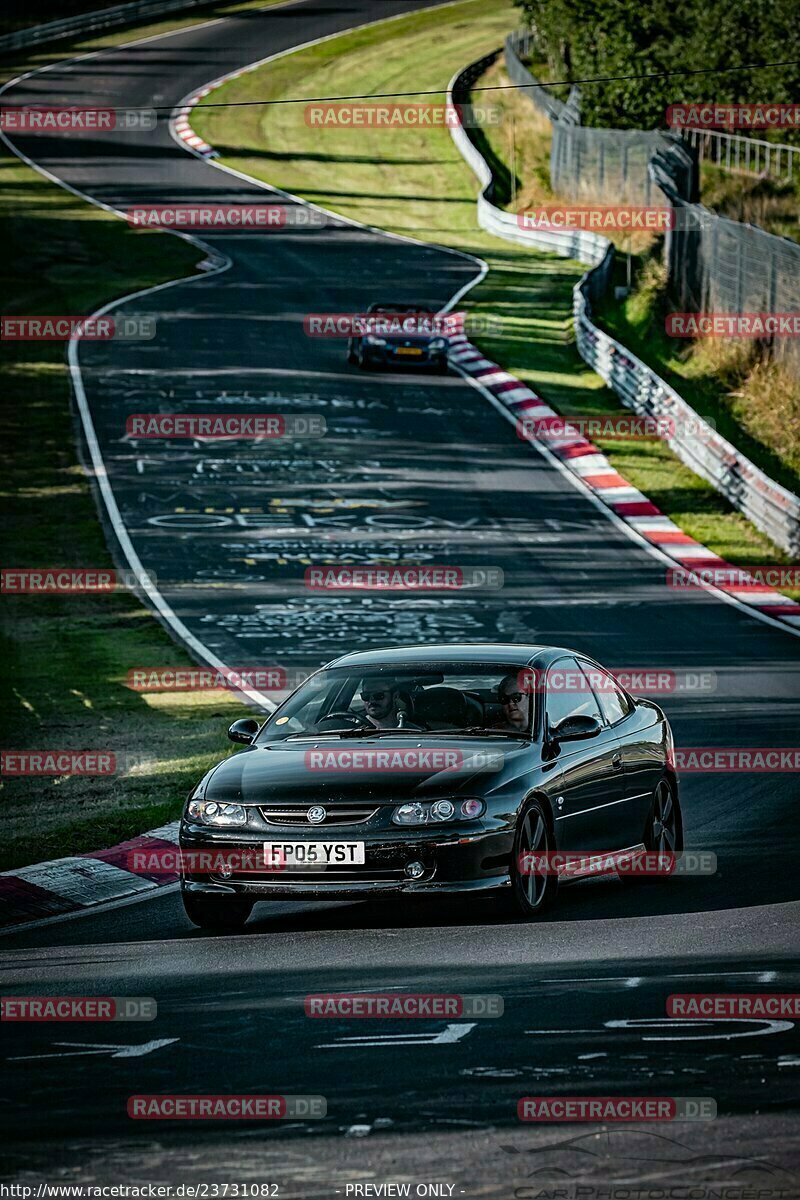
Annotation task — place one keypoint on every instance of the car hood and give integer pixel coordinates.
(347, 769)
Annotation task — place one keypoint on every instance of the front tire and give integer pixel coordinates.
(221, 913)
(533, 892)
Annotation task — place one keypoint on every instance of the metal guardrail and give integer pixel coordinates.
(772, 508)
(735, 152)
(104, 18)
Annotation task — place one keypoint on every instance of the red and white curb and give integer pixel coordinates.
(69, 885)
(180, 124)
(183, 130)
(541, 425)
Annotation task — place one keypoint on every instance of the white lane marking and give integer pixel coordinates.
(117, 1051)
(672, 1026)
(448, 1035)
(536, 1032)
(787, 1060)
(633, 982)
(354, 1131)
(761, 976)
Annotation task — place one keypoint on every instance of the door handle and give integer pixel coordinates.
(616, 761)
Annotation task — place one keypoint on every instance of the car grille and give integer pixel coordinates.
(323, 874)
(297, 814)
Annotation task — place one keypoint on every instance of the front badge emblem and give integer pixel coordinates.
(316, 815)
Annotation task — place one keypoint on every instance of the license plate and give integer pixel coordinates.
(412, 350)
(280, 855)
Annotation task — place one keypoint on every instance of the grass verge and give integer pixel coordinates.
(753, 402)
(772, 204)
(66, 659)
(415, 182)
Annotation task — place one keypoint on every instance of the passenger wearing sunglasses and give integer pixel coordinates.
(516, 705)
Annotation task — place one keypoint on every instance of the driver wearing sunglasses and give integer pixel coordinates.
(381, 702)
(516, 705)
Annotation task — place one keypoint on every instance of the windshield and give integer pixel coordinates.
(476, 698)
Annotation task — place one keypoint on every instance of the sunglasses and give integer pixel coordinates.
(512, 698)
(367, 696)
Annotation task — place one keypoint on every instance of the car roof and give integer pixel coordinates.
(500, 653)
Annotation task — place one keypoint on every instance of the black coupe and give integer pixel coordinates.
(432, 769)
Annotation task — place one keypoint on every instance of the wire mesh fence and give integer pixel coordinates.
(714, 264)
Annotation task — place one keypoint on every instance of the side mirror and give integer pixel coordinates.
(244, 731)
(574, 729)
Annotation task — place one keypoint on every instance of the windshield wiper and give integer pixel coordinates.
(310, 733)
(362, 731)
(354, 732)
(482, 731)
(372, 730)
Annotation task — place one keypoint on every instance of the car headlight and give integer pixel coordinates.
(214, 812)
(372, 340)
(437, 811)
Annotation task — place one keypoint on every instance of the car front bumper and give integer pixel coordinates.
(456, 862)
(385, 356)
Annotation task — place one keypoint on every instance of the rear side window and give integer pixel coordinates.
(613, 702)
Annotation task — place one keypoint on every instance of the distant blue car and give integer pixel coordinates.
(403, 335)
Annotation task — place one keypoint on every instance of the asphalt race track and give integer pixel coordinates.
(412, 469)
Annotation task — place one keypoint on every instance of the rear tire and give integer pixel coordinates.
(217, 912)
(663, 831)
(531, 894)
